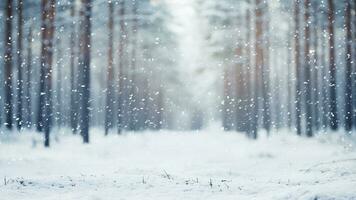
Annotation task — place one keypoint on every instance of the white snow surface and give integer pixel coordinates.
(178, 165)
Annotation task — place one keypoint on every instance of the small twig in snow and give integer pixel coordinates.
(167, 175)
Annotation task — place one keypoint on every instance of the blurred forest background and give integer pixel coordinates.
(133, 65)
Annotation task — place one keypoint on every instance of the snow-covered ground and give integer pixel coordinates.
(178, 165)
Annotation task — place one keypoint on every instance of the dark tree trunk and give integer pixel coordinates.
(59, 105)
(242, 77)
(266, 95)
(325, 83)
(47, 32)
(248, 72)
(121, 76)
(354, 69)
(332, 68)
(316, 68)
(258, 65)
(307, 71)
(84, 68)
(110, 73)
(298, 68)
(73, 74)
(241, 102)
(348, 71)
(19, 88)
(8, 65)
(41, 99)
(133, 96)
(28, 79)
(290, 78)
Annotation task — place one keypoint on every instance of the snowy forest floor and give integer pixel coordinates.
(178, 165)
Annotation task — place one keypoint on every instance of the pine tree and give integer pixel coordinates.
(316, 66)
(259, 51)
(59, 65)
(354, 71)
(84, 68)
(307, 71)
(110, 73)
(324, 81)
(28, 72)
(248, 71)
(8, 65)
(47, 35)
(332, 67)
(240, 123)
(348, 71)
(228, 121)
(20, 64)
(133, 96)
(290, 77)
(121, 75)
(73, 74)
(298, 68)
(266, 95)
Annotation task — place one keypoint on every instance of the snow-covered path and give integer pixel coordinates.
(173, 165)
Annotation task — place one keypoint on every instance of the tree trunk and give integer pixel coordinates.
(316, 68)
(133, 96)
(248, 72)
(110, 73)
(354, 69)
(143, 115)
(298, 68)
(290, 77)
(19, 88)
(8, 65)
(28, 79)
(73, 74)
(307, 71)
(332, 68)
(325, 82)
(121, 76)
(47, 32)
(240, 100)
(258, 65)
(227, 105)
(348, 70)
(84, 68)
(266, 95)
(59, 105)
